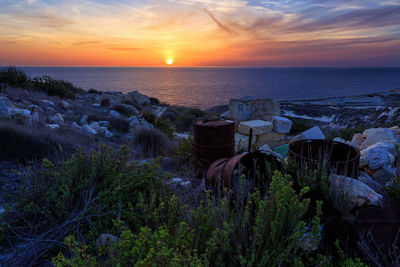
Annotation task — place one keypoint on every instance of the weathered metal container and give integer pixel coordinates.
(222, 171)
(212, 140)
(335, 157)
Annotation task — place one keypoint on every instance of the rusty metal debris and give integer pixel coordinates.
(212, 140)
(336, 157)
(221, 172)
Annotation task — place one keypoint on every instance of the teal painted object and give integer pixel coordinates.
(282, 150)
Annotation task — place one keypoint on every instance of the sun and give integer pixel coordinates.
(169, 61)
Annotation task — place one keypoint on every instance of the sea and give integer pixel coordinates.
(205, 87)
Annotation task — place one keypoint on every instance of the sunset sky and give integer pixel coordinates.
(200, 32)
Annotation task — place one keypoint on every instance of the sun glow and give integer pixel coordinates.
(169, 61)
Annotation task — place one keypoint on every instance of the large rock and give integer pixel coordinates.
(379, 155)
(242, 142)
(273, 139)
(383, 176)
(126, 109)
(115, 114)
(137, 122)
(87, 130)
(312, 133)
(366, 179)
(259, 127)
(139, 98)
(376, 135)
(396, 132)
(253, 109)
(281, 124)
(4, 112)
(347, 193)
(57, 118)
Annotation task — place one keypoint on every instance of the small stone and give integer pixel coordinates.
(259, 127)
(53, 126)
(281, 124)
(96, 105)
(177, 180)
(46, 102)
(84, 120)
(57, 118)
(87, 130)
(75, 126)
(115, 114)
(65, 104)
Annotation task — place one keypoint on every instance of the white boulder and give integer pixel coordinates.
(379, 155)
(57, 118)
(75, 127)
(259, 127)
(139, 98)
(312, 133)
(253, 109)
(376, 135)
(347, 193)
(87, 130)
(281, 124)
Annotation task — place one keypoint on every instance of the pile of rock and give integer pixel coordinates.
(262, 132)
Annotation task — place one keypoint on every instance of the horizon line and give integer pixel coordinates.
(205, 66)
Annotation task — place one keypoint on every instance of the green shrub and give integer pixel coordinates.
(120, 125)
(255, 231)
(124, 109)
(346, 133)
(165, 126)
(94, 91)
(154, 101)
(89, 193)
(21, 144)
(185, 120)
(55, 87)
(299, 125)
(149, 116)
(14, 77)
(150, 143)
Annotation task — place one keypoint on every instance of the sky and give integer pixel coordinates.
(324, 33)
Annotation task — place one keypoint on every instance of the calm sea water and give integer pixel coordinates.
(208, 86)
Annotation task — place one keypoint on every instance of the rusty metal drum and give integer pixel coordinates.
(335, 157)
(212, 140)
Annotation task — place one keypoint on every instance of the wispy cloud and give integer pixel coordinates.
(200, 32)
